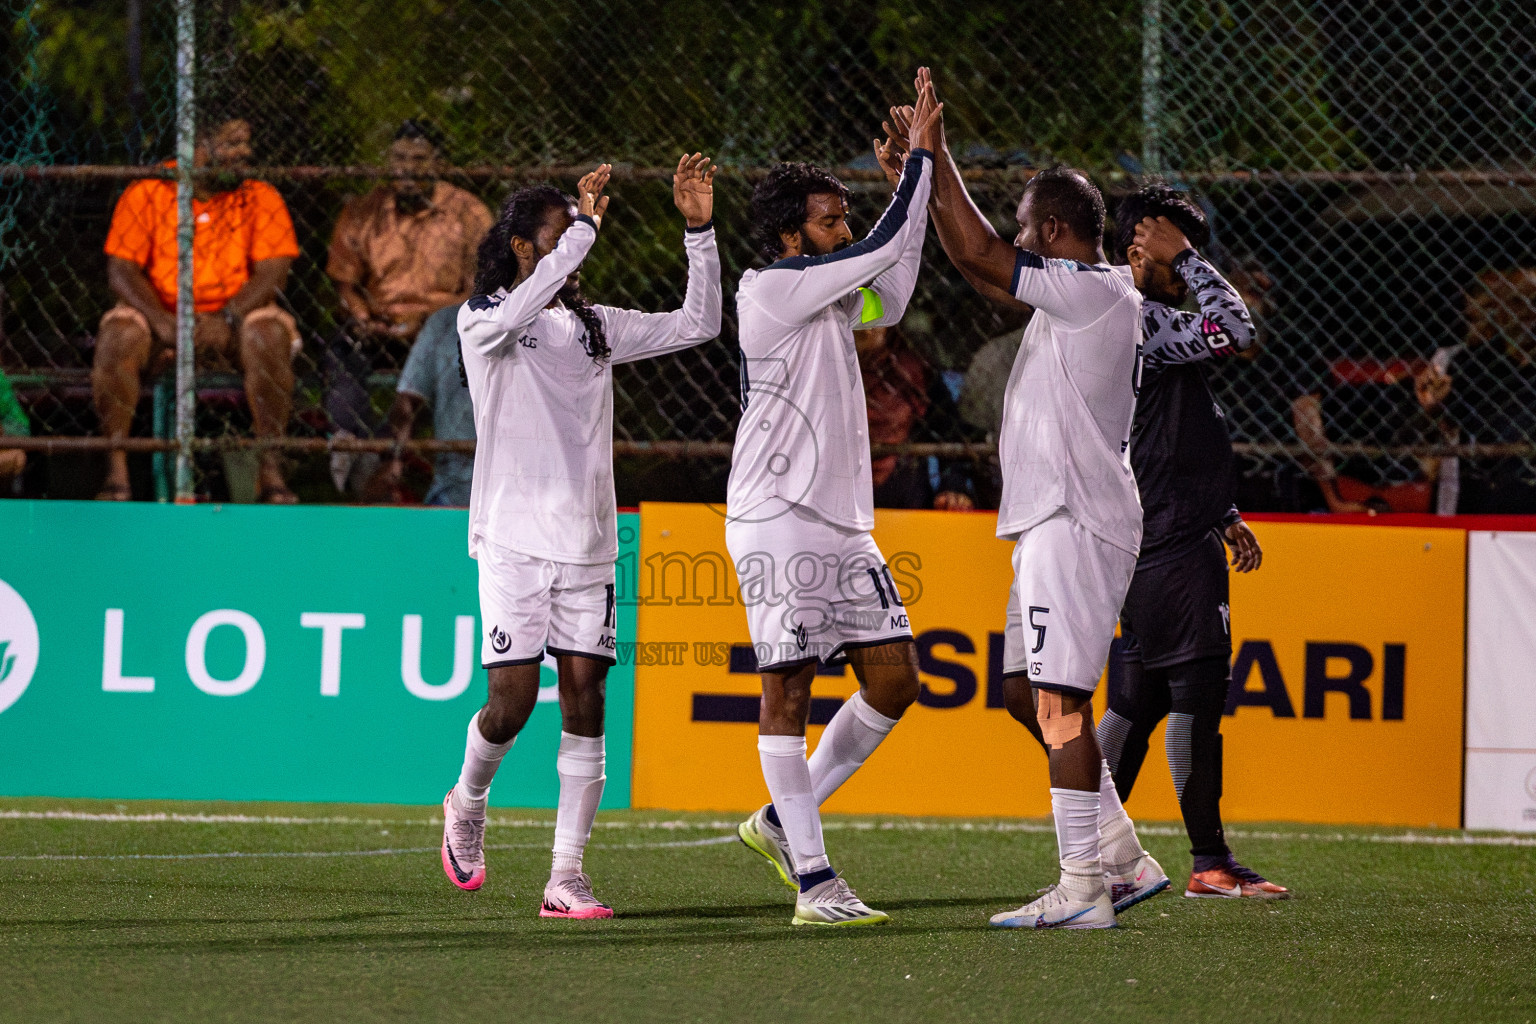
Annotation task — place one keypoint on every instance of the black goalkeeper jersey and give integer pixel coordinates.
(1181, 451)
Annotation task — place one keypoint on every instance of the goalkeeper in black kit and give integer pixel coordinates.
(1176, 623)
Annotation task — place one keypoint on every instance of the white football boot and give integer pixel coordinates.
(571, 896)
(833, 902)
(1057, 909)
(1141, 880)
(463, 847)
(762, 836)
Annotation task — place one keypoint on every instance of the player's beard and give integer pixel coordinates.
(1167, 291)
(570, 292)
(842, 243)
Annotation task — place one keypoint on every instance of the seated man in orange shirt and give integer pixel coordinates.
(399, 253)
(242, 248)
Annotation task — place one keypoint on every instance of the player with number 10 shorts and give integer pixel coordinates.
(800, 503)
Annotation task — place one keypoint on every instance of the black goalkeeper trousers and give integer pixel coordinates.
(1192, 695)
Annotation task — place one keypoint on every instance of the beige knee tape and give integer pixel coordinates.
(1056, 728)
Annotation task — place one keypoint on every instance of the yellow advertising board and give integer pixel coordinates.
(1349, 647)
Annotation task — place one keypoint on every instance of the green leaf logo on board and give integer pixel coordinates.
(7, 661)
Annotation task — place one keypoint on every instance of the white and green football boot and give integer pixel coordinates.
(834, 902)
(762, 836)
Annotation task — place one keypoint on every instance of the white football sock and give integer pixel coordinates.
(580, 765)
(481, 759)
(852, 735)
(1077, 839)
(1118, 845)
(789, 784)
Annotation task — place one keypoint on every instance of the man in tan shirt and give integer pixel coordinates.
(398, 254)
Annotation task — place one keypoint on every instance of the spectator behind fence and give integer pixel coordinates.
(432, 377)
(1484, 392)
(1370, 401)
(899, 394)
(13, 423)
(1367, 401)
(242, 249)
(397, 254)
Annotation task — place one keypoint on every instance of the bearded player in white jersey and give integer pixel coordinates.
(538, 358)
(800, 503)
(1070, 504)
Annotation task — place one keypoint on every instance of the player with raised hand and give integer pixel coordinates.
(1176, 637)
(1070, 504)
(800, 502)
(538, 358)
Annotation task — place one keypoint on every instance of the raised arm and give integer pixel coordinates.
(969, 240)
(487, 323)
(889, 154)
(1221, 327)
(884, 301)
(799, 288)
(634, 335)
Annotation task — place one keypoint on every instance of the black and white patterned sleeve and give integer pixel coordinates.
(1221, 327)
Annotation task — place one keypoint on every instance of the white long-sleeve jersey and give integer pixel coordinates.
(804, 431)
(543, 483)
(1070, 401)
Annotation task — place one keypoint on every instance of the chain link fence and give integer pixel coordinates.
(1370, 172)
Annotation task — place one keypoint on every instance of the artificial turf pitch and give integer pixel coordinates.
(342, 913)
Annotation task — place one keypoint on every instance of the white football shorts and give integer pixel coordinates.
(812, 590)
(1068, 588)
(528, 605)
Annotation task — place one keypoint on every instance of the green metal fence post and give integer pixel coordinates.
(1152, 86)
(186, 132)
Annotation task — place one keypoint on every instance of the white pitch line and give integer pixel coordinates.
(223, 855)
(169, 817)
(307, 854)
(1409, 838)
(711, 841)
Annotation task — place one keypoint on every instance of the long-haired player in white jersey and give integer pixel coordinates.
(800, 503)
(539, 359)
(1069, 502)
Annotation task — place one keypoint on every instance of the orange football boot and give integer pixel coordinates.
(1233, 881)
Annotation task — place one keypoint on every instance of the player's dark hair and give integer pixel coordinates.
(522, 214)
(1066, 194)
(778, 202)
(1158, 199)
(420, 128)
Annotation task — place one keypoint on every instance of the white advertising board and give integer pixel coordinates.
(1501, 681)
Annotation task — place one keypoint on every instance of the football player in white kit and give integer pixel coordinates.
(539, 363)
(800, 503)
(1070, 504)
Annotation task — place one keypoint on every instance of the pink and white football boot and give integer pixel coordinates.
(571, 896)
(463, 847)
